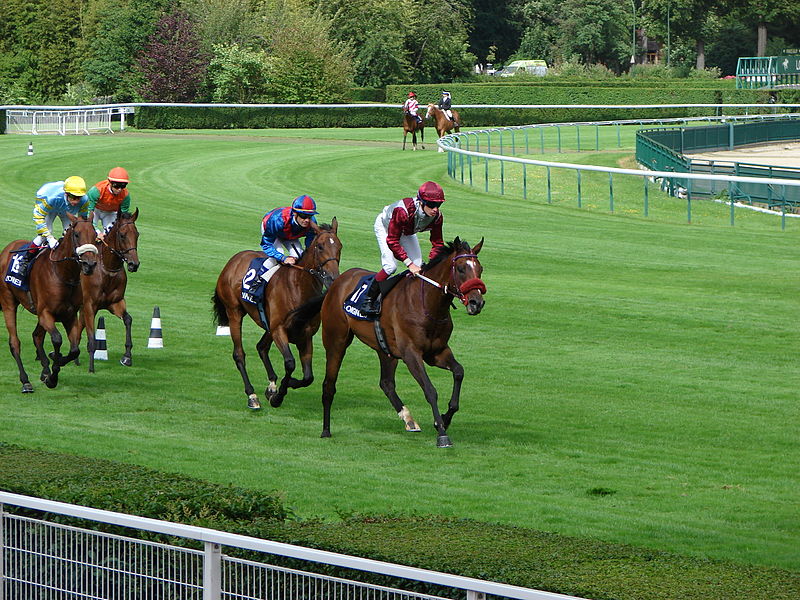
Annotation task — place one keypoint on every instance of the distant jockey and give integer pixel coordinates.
(446, 106)
(411, 106)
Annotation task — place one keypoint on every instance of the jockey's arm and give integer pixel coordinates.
(40, 211)
(395, 231)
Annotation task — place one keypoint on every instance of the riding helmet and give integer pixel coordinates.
(304, 204)
(118, 174)
(75, 186)
(430, 191)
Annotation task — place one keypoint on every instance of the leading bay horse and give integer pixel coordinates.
(416, 323)
(443, 124)
(292, 300)
(410, 124)
(55, 296)
(105, 287)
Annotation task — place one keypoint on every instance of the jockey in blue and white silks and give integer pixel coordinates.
(281, 231)
(56, 199)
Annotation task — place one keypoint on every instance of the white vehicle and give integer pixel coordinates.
(531, 67)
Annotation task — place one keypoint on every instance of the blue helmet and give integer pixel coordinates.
(304, 204)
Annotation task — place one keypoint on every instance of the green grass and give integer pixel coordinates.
(645, 358)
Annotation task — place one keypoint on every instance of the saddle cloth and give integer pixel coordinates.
(16, 274)
(353, 302)
(252, 285)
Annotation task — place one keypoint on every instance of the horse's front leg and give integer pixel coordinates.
(10, 315)
(446, 360)
(405, 135)
(263, 347)
(387, 383)
(417, 370)
(74, 327)
(38, 343)
(282, 343)
(49, 373)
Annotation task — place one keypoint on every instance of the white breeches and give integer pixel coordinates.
(410, 244)
(287, 247)
(49, 221)
(104, 219)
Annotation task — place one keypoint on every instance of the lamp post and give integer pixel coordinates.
(633, 35)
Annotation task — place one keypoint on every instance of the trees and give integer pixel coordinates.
(172, 64)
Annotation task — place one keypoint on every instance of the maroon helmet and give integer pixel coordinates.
(430, 191)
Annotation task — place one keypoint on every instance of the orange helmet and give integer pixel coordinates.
(412, 95)
(118, 174)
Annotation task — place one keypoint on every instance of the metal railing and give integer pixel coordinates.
(48, 560)
(36, 121)
(488, 159)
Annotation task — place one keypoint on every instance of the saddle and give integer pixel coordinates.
(355, 300)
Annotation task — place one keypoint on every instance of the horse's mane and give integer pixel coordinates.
(457, 245)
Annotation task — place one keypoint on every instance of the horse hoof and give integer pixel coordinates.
(51, 381)
(253, 403)
(443, 441)
(275, 399)
(27, 388)
(325, 434)
(413, 427)
(126, 361)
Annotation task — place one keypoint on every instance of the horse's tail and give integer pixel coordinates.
(304, 313)
(220, 314)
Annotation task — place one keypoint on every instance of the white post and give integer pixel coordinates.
(212, 572)
(475, 595)
(2, 558)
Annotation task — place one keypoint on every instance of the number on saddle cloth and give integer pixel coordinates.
(252, 284)
(19, 264)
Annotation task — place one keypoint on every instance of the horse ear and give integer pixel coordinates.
(135, 214)
(457, 243)
(334, 225)
(73, 219)
(478, 247)
(314, 227)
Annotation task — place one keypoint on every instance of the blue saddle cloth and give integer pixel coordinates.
(16, 274)
(252, 285)
(353, 302)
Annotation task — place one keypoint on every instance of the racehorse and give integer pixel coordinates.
(442, 123)
(410, 124)
(292, 301)
(416, 325)
(55, 296)
(105, 287)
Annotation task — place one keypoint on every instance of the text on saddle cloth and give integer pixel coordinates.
(18, 269)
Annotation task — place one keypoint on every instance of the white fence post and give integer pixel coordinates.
(212, 572)
(475, 595)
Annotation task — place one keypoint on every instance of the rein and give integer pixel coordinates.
(465, 288)
(120, 254)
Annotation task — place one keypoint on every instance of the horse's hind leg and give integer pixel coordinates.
(387, 383)
(10, 315)
(446, 360)
(235, 323)
(405, 134)
(263, 347)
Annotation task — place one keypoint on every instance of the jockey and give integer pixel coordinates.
(411, 106)
(396, 229)
(56, 199)
(281, 230)
(107, 197)
(445, 105)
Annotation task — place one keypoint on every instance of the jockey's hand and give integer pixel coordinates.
(52, 242)
(414, 268)
(101, 236)
(289, 260)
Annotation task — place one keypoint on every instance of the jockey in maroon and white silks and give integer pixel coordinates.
(396, 228)
(411, 106)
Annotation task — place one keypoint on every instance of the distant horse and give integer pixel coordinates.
(292, 300)
(410, 124)
(55, 296)
(105, 287)
(441, 122)
(416, 324)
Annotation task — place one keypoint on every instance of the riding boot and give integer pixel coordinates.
(371, 305)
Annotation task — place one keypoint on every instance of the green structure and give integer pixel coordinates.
(768, 72)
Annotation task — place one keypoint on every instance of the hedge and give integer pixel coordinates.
(2, 121)
(524, 557)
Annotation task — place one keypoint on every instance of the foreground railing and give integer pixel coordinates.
(46, 560)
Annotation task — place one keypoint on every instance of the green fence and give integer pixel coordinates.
(664, 149)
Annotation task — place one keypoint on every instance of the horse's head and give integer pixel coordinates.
(465, 276)
(431, 111)
(78, 243)
(325, 251)
(123, 239)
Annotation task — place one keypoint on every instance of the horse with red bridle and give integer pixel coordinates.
(292, 301)
(412, 125)
(54, 297)
(414, 326)
(105, 287)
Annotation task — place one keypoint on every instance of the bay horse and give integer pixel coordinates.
(416, 323)
(441, 122)
(411, 125)
(55, 296)
(105, 287)
(292, 301)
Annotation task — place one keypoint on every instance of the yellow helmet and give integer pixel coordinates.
(75, 186)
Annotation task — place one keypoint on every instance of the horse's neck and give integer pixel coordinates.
(440, 273)
(61, 264)
(111, 260)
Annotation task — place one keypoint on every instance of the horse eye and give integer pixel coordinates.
(461, 270)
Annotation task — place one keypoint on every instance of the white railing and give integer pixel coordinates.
(43, 559)
(36, 121)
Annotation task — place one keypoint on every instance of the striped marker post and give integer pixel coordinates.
(101, 348)
(223, 330)
(155, 340)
